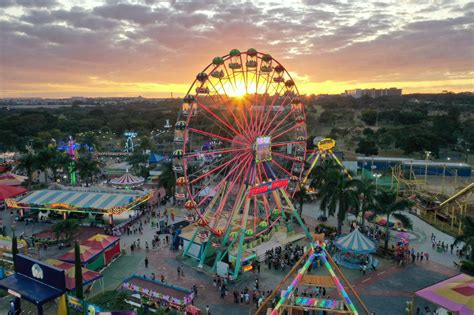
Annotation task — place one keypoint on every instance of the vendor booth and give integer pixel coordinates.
(158, 293)
(110, 245)
(355, 249)
(35, 282)
(91, 258)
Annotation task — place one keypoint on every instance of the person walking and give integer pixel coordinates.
(179, 271)
(146, 262)
(208, 310)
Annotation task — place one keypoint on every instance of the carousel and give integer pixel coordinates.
(355, 249)
(127, 181)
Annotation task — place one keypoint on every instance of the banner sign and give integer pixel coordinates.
(75, 303)
(41, 272)
(268, 187)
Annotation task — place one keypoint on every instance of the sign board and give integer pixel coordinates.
(268, 187)
(41, 272)
(222, 269)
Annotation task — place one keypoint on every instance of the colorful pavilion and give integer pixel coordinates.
(110, 245)
(455, 294)
(91, 258)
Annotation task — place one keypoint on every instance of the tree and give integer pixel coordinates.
(167, 179)
(367, 146)
(14, 250)
(27, 163)
(369, 117)
(87, 168)
(78, 271)
(386, 203)
(366, 191)
(68, 228)
(44, 160)
(338, 192)
(467, 236)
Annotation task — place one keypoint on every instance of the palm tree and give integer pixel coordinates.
(167, 178)
(467, 236)
(87, 167)
(27, 163)
(44, 161)
(68, 228)
(57, 160)
(386, 203)
(366, 191)
(338, 192)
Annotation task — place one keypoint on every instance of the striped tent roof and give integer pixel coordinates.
(88, 276)
(12, 179)
(127, 179)
(100, 241)
(356, 242)
(79, 199)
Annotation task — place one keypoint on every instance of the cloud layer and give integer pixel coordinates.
(62, 48)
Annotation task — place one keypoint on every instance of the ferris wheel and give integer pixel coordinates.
(240, 148)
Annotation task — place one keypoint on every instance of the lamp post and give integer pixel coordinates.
(427, 156)
(377, 176)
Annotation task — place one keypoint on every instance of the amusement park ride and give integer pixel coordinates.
(129, 145)
(72, 151)
(240, 149)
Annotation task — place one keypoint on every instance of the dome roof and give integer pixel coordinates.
(356, 242)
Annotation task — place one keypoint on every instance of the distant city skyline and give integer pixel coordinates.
(89, 48)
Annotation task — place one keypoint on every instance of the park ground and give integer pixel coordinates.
(384, 291)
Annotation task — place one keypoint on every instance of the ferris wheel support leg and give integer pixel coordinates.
(243, 227)
(220, 252)
(277, 198)
(191, 241)
(295, 214)
(204, 252)
(238, 261)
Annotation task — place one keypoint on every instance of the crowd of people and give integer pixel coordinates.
(279, 258)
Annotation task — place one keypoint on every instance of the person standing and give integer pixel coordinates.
(146, 262)
(208, 311)
(179, 271)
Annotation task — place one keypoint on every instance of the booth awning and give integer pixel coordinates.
(101, 241)
(7, 191)
(29, 289)
(88, 276)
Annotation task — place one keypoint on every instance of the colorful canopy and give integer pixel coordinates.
(87, 254)
(127, 180)
(100, 241)
(356, 242)
(455, 294)
(12, 179)
(7, 191)
(80, 199)
(88, 276)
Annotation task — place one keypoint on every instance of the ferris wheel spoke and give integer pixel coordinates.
(217, 136)
(262, 112)
(288, 130)
(279, 111)
(282, 168)
(232, 171)
(280, 122)
(288, 157)
(235, 158)
(221, 120)
(234, 181)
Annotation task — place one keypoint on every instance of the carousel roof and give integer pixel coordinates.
(356, 242)
(127, 179)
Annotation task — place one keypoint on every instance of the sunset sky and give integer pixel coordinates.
(61, 48)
